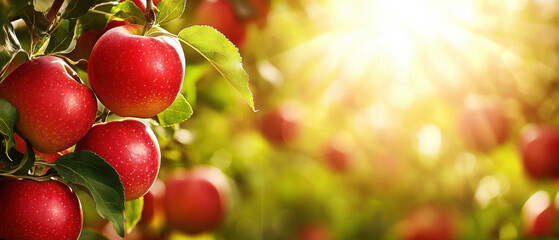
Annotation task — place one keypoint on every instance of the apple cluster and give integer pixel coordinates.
(132, 75)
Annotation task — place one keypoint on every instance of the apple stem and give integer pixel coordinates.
(35, 178)
(54, 9)
(150, 12)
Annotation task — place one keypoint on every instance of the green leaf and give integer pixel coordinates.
(169, 10)
(35, 20)
(9, 46)
(178, 112)
(10, 8)
(8, 118)
(100, 178)
(192, 74)
(77, 8)
(133, 212)
(63, 39)
(222, 54)
(87, 234)
(129, 12)
(94, 20)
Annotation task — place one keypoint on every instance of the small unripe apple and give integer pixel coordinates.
(135, 75)
(51, 157)
(38, 210)
(281, 125)
(428, 222)
(483, 125)
(313, 232)
(131, 148)
(539, 146)
(55, 109)
(538, 215)
(220, 14)
(196, 200)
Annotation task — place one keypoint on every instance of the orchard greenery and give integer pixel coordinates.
(54, 32)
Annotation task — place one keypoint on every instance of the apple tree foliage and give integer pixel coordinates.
(55, 31)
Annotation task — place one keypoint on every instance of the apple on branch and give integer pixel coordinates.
(135, 75)
(46, 210)
(55, 108)
(196, 200)
(131, 148)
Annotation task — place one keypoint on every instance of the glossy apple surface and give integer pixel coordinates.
(221, 15)
(483, 124)
(428, 222)
(134, 75)
(38, 210)
(539, 147)
(55, 110)
(281, 125)
(196, 199)
(131, 148)
(538, 215)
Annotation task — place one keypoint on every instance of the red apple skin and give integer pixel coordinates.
(51, 157)
(428, 222)
(86, 41)
(153, 203)
(131, 148)
(539, 147)
(196, 199)
(538, 215)
(134, 75)
(38, 210)
(281, 125)
(221, 15)
(55, 110)
(313, 232)
(483, 125)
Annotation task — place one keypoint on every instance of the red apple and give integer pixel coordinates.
(429, 222)
(131, 148)
(51, 157)
(86, 41)
(55, 109)
(281, 125)
(337, 155)
(153, 203)
(85, 44)
(38, 210)
(538, 215)
(135, 75)
(483, 125)
(196, 199)
(220, 14)
(313, 232)
(539, 146)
